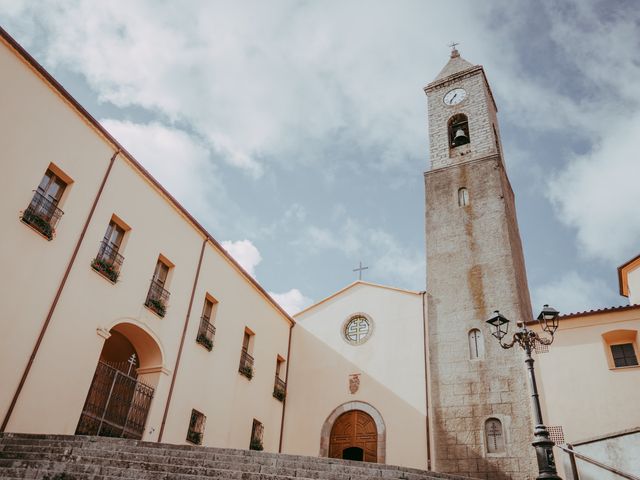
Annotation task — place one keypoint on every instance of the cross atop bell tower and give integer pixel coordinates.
(463, 124)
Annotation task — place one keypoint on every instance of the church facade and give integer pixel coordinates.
(127, 318)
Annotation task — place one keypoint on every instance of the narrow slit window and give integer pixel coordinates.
(476, 344)
(463, 197)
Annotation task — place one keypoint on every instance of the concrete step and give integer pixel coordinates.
(100, 458)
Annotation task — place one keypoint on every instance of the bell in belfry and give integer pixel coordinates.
(460, 138)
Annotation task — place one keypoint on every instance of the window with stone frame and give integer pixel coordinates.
(196, 427)
(494, 436)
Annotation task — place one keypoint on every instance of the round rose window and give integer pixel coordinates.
(357, 329)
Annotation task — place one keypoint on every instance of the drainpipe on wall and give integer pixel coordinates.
(184, 333)
(45, 325)
(426, 379)
(284, 402)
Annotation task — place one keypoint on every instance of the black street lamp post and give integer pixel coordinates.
(526, 338)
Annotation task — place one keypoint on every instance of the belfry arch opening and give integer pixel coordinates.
(458, 127)
(123, 384)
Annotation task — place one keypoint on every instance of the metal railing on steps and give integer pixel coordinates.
(576, 476)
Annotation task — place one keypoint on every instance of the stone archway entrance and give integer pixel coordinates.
(354, 431)
(354, 437)
(118, 400)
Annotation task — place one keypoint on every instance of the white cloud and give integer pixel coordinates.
(572, 293)
(598, 194)
(292, 301)
(389, 260)
(260, 80)
(177, 160)
(245, 253)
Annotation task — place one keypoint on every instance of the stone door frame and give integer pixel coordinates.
(325, 434)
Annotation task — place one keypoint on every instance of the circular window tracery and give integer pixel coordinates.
(357, 329)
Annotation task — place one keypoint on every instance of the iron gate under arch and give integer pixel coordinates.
(117, 404)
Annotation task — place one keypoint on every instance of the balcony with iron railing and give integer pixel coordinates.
(279, 388)
(157, 298)
(206, 332)
(246, 364)
(42, 215)
(108, 261)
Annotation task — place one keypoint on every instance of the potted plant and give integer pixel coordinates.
(157, 306)
(105, 268)
(256, 444)
(205, 341)
(279, 393)
(247, 371)
(194, 437)
(38, 223)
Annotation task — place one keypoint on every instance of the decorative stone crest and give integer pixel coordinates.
(354, 383)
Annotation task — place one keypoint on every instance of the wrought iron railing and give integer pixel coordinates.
(206, 332)
(116, 406)
(157, 298)
(279, 388)
(42, 214)
(108, 261)
(246, 364)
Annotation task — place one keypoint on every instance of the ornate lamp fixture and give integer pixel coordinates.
(526, 339)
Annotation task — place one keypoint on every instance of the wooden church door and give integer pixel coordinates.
(354, 436)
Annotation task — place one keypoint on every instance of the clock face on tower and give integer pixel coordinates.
(455, 96)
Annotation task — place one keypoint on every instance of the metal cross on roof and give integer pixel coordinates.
(453, 45)
(359, 270)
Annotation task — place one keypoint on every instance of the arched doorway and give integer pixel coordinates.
(354, 431)
(354, 437)
(119, 398)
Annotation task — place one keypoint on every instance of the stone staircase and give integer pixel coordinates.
(65, 457)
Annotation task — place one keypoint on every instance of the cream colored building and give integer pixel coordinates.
(106, 264)
(590, 383)
(359, 356)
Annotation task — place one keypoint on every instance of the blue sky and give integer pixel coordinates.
(297, 131)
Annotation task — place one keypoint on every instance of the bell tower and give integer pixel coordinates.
(480, 413)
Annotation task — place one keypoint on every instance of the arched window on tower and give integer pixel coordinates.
(494, 435)
(463, 197)
(458, 130)
(476, 344)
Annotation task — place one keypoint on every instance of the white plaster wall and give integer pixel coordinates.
(633, 281)
(394, 354)
(390, 364)
(40, 127)
(621, 452)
